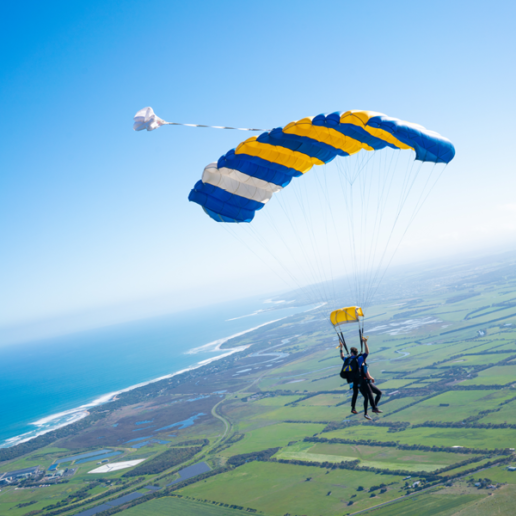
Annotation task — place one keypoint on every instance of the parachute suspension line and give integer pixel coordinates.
(326, 204)
(325, 191)
(314, 287)
(422, 199)
(305, 207)
(337, 237)
(383, 196)
(282, 240)
(328, 279)
(365, 180)
(360, 176)
(236, 237)
(348, 203)
(402, 202)
(368, 244)
(380, 205)
(414, 214)
(342, 340)
(309, 217)
(263, 243)
(403, 198)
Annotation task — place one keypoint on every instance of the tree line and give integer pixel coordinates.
(409, 447)
(163, 461)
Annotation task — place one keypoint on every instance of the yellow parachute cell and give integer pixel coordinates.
(350, 314)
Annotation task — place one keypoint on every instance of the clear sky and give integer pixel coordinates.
(94, 217)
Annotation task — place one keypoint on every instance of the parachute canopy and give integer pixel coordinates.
(244, 179)
(350, 314)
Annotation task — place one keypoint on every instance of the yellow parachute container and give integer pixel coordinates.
(346, 315)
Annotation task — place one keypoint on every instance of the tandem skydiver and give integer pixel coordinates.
(367, 387)
(354, 362)
(360, 379)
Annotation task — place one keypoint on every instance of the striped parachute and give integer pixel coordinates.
(244, 179)
(333, 234)
(347, 221)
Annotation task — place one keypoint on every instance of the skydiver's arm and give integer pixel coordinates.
(341, 351)
(364, 340)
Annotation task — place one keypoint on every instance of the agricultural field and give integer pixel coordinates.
(279, 439)
(370, 456)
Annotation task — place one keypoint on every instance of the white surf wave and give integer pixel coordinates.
(248, 315)
(216, 344)
(67, 417)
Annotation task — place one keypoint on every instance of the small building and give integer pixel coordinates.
(477, 484)
(511, 468)
(20, 474)
(416, 484)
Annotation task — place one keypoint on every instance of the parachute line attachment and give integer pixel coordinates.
(147, 119)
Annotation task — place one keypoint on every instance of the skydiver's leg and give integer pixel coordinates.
(378, 393)
(365, 389)
(354, 398)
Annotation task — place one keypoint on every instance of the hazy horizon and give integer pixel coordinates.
(95, 218)
(160, 306)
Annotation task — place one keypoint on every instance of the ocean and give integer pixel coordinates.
(49, 383)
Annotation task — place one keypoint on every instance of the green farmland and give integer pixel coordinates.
(280, 439)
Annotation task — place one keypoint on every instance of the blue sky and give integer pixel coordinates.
(94, 217)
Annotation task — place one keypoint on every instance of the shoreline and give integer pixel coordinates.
(64, 418)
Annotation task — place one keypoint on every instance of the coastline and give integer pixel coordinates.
(61, 419)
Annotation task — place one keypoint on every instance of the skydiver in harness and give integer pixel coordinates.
(367, 387)
(356, 372)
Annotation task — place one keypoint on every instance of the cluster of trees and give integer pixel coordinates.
(269, 394)
(495, 462)
(312, 395)
(464, 424)
(303, 421)
(220, 504)
(484, 482)
(25, 504)
(504, 305)
(458, 465)
(163, 461)
(264, 455)
(193, 442)
(394, 426)
(382, 487)
(226, 444)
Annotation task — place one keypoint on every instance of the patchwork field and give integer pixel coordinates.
(369, 456)
(279, 439)
(281, 488)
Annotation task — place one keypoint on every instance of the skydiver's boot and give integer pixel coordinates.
(353, 411)
(367, 416)
(377, 411)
